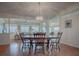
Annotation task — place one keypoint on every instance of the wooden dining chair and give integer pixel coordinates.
(26, 43)
(39, 42)
(55, 43)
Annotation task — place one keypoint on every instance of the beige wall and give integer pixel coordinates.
(70, 35)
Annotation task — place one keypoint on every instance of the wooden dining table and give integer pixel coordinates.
(31, 38)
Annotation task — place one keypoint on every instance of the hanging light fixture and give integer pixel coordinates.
(39, 17)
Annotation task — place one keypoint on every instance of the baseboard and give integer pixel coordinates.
(70, 45)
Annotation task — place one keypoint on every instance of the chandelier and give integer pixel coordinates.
(39, 17)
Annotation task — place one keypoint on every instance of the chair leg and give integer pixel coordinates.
(43, 49)
(59, 48)
(22, 45)
(35, 49)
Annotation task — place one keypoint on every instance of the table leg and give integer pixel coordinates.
(48, 44)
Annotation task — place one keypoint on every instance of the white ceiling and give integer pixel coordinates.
(30, 10)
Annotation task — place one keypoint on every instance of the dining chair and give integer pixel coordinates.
(39, 42)
(52, 33)
(25, 43)
(55, 43)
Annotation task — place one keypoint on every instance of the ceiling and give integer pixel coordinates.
(30, 10)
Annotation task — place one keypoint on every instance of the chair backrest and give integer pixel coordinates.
(40, 35)
(21, 36)
(59, 34)
(52, 33)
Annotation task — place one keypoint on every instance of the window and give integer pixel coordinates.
(7, 28)
(35, 29)
(44, 29)
(4, 28)
(24, 28)
(56, 29)
(1, 28)
(13, 28)
(51, 29)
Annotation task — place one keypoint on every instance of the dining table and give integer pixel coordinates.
(32, 38)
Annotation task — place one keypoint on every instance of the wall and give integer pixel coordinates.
(70, 35)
